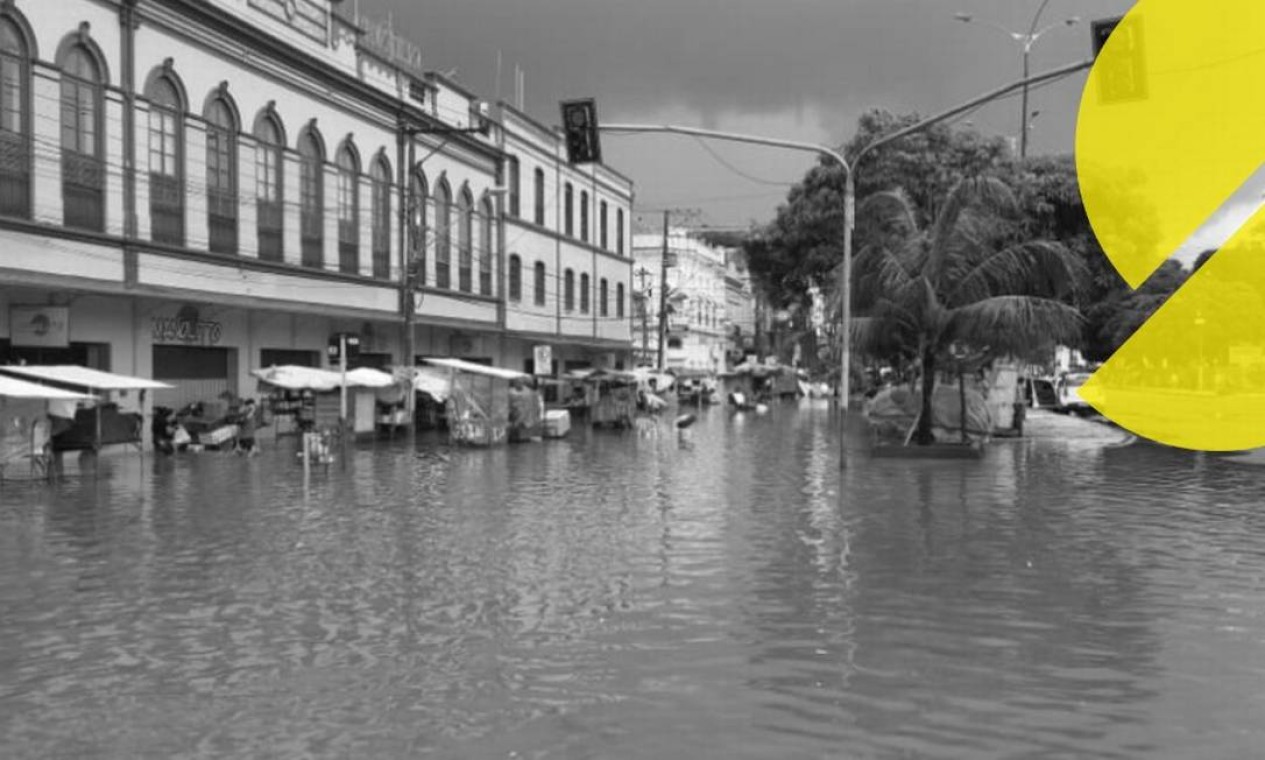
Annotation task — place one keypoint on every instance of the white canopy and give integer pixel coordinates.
(296, 378)
(368, 377)
(11, 387)
(479, 369)
(83, 377)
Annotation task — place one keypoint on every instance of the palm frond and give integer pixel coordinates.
(1036, 268)
(889, 210)
(1011, 322)
(982, 192)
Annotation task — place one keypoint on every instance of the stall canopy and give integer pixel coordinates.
(295, 378)
(479, 369)
(11, 387)
(83, 377)
(432, 381)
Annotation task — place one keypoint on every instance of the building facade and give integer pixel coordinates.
(697, 334)
(192, 189)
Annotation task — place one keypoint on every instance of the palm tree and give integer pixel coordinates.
(962, 281)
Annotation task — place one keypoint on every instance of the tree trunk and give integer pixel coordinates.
(923, 435)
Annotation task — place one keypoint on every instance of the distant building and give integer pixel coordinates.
(697, 323)
(740, 306)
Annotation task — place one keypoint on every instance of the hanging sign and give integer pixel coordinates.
(542, 360)
(42, 326)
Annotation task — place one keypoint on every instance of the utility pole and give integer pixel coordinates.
(663, 293)
(643, 273)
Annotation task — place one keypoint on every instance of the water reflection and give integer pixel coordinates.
(729, 591)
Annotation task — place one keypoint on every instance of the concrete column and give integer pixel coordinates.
(144, 229)
(291, 176)
(196, 225)
(46, 147)
(114, 162)
(247, 224)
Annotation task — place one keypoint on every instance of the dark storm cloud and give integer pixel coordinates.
(815, 63)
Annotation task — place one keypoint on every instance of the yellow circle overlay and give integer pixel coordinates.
(1170, 133)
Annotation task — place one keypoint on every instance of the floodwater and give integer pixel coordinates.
(614, 595)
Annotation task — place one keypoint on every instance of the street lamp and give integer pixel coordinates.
(1027, 41)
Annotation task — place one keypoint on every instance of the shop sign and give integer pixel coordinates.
(187, 327)
(542, 360)
(43, 326)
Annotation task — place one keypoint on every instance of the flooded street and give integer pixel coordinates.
(703, 594)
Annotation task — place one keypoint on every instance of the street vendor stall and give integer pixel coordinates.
(26, 427)
(103, 423)
(611, 395)
(478, 403)
(311, 398)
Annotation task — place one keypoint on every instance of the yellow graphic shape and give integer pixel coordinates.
(1171, 126)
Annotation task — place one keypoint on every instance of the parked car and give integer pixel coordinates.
(1069, 397)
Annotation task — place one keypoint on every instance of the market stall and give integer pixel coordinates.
(26, 411)
(100, 421)
(478, 403)
(306, 398)
(611, 395)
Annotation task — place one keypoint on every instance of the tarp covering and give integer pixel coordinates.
(433, 381)
(83, 377)
(895, 409)
(296, 378)
(479, 369)
(12, 387)
(368, 377)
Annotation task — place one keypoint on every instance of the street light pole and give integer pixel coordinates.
(1027, 41)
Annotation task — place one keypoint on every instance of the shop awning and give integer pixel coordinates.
(83, 377)
(11, 387)
(479, 369)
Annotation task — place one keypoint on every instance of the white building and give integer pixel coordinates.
(697, 327)
(191, 189)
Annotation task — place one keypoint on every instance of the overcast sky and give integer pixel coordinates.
(795, 69)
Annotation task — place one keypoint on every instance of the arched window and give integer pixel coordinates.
(443, 236)
(348, 210)
(568, 210)
(312, 199)
(601, 298)
(417, 244)
(516, 277)
(584, 293)
(486, 218)
(568, 290)
(166, 161)
(584, 215)
(15, 120)
(540, 283)
(381, 213)
(619, 231)
(269, 187)
(540, 196)
(512, 170)
(601, 223)
(221, 177)
(83, 170)
(465, 228)
(619, 300)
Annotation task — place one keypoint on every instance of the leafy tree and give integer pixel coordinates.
(962, 280)
(803, 245)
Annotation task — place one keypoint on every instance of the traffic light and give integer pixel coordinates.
(1121, 75)
(579, 125)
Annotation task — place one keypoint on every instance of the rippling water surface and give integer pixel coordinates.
(724, 592)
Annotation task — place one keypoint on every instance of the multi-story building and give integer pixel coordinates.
(740, 306)
(697, 332)
(192, 189)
